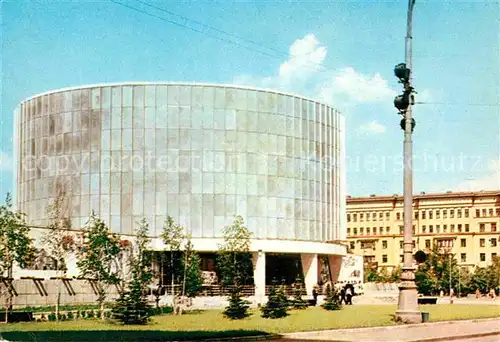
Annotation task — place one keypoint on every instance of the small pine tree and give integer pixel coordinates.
(277, 303)
(237, 308)
(298, 302)
(332, 301)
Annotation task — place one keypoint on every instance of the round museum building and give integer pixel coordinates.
(200, 153)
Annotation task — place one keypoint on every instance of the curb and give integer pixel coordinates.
(456, 337)
(239, 339)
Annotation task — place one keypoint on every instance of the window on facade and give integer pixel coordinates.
(452, 213)
(466, 227)
(438, 214)
(348, 231)
(381, 230)
(381, 216)
(431, 229)
(353, 246)
(401, 244)
(482, 228)
(427, 243)
(452, 228)
(482, 242)
(384, 258)
(478, 213)
(354, 217)
(361, 217)
(374, 216)
(416, 215)
(367, 216)
(459, 228)
(413, 229)
(384, 244)
(490, 212)
(398, 216)
(387, 215)
(438, 228)
(414, 244)
(401, 259)
(424, 228)
(497, 210)
(459, 213)
(361, 231)
(445, 243)
(423, 215)
(348, 217)
(401, 230)
(463, 243)
(387, 230)
(430, 214)
(493, 242)
(445, 213)
(368, 244)
(445, 228)
(367, 231)
(493, 227)
(463, 257)
(355, 231)
(482, 256)
(483, 212)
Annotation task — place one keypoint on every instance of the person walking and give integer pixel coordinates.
(342, 296)
(348, 295)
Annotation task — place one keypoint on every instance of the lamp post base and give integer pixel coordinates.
(408, 311)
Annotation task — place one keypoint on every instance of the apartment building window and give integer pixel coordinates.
(424, 228)
(445, 228)
(401, 230)
(348, 231)
(401, 258)
(384, 258)
(466, 227)
(463, 257)
(381, 216)
(452, 228)
(445, 213)
(354, 217)
(459, 227)
(452, 213)
(355, 231)
(483, 212)
(493, 227)
(459, 213)
(381, 230)
(431, 229)
(413, 230)
(463, 243)
(401, 244)
(466, 213)
(438, 228)
(384, 244)
(413, 243)
(490, 212)
(361, 217)
(398, 216)
(367, 216)
(482, 242)
(353, 245)
(416, 215)
(423, 215)
(478, 213)
(361, 231)
(493, 242)
(430, 214)
(497, 210)
(482, 228)
(482, 256)
(367, 231)
(374, 216)
(387, 216)
(438, 214)
(427, 243)
(348, 217)
(367, 245)
(387, 230)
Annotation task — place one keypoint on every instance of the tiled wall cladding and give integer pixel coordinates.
(201, 154)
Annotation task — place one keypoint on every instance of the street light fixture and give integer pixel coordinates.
(407, 310)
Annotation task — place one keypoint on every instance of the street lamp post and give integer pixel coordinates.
(407, 311)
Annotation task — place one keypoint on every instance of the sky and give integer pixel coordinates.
(340, 52)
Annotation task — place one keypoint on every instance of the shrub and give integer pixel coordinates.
(332, 300)
(90, 314)
(52, 317)
(298, 302)
(277, 303)
(71, 316)
(82, 314)
(237, 308)
(61, 317)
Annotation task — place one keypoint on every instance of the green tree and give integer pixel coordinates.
(98, 256)
(332, 300)
(132, 305)
(277, 303)
(15, 246)
(298, 302)
(193, 280)
(396, 274)
(235, 264)
(172, 237)
(59, 241)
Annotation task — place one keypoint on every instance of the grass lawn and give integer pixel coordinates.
(211, 324)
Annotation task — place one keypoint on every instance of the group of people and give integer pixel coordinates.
(346, 292)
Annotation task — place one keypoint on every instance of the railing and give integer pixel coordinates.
(206, 291)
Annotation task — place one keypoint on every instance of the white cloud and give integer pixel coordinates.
(303, 72)
(372, 127)
(491, 181)
(5, 162)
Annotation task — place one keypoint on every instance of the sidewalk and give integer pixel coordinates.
(439, 331)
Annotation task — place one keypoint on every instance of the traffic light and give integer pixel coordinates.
(403, 124)
(402, 72)
(401, 102)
